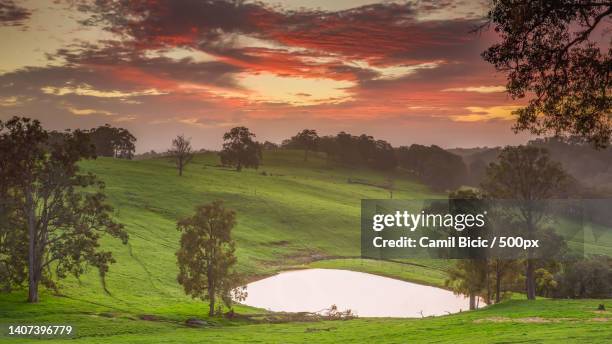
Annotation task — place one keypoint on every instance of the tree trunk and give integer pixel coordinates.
(211, 297)
(211, 309)
(239, 167)
(530, 280)
(33, 270)
(498, 276)
(529, 270)
(488, 281)
(472, 301)
(211, 289)
(33, 290)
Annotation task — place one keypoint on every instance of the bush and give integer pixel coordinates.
(587, 278)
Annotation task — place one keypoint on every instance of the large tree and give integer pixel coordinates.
(60, 213)
(113, 142)
(558, 53)
(181, 152)
(240, 150)
(526, 174)
(206, 255)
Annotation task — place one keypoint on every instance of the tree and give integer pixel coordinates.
(113, 142)
(240, 150)
(468, 276)
(181, 152)
(436, 167)
(383, 156)
(307, 139)
(526, 174)
(586, 278)
(50, 210)
(206, 255)
(504, 271)
(13, 243)
(555, 51)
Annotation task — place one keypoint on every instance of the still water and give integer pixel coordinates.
(367, 295)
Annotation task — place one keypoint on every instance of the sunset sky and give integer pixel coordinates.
(406, 72)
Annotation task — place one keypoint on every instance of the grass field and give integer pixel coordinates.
(291, 214)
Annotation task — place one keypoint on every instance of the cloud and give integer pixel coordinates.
(13, 15)
(203, 65)
(89, 91)
(256, 36)
(9, 101)
(477, 89)
(479, 114)
(88, 112)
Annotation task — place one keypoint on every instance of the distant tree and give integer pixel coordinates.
(383, 156)
(477, 170)
(60, 213)
(328, 145)
(307, 139)
(556, 51)
(181, 152)
(240, 150)
(267, 145)
(526, 174)
(436, 167)
(113, 142)
(348, 150)
(206, 255)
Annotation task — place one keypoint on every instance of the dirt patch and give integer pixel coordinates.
(149, 317)
(601, 319)
(327, 329)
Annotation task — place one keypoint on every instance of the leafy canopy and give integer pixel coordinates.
(555, 53)
(206, 256)
(56, 212)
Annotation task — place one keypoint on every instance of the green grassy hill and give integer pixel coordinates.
(290, 214)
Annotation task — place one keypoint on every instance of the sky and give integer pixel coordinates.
(403, 71)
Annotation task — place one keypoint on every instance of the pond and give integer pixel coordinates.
(367, 295)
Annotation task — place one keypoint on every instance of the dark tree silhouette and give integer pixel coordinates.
(50, 211)
(240, 150)
(113, 142)
(307, 139)
(181, 152)
(436, 167)
(553, 52)
(358, 150)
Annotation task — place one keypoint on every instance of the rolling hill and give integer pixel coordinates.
(290, 214)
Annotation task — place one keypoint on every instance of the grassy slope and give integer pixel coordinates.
(296, 213)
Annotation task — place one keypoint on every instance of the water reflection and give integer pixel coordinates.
(368, 295)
